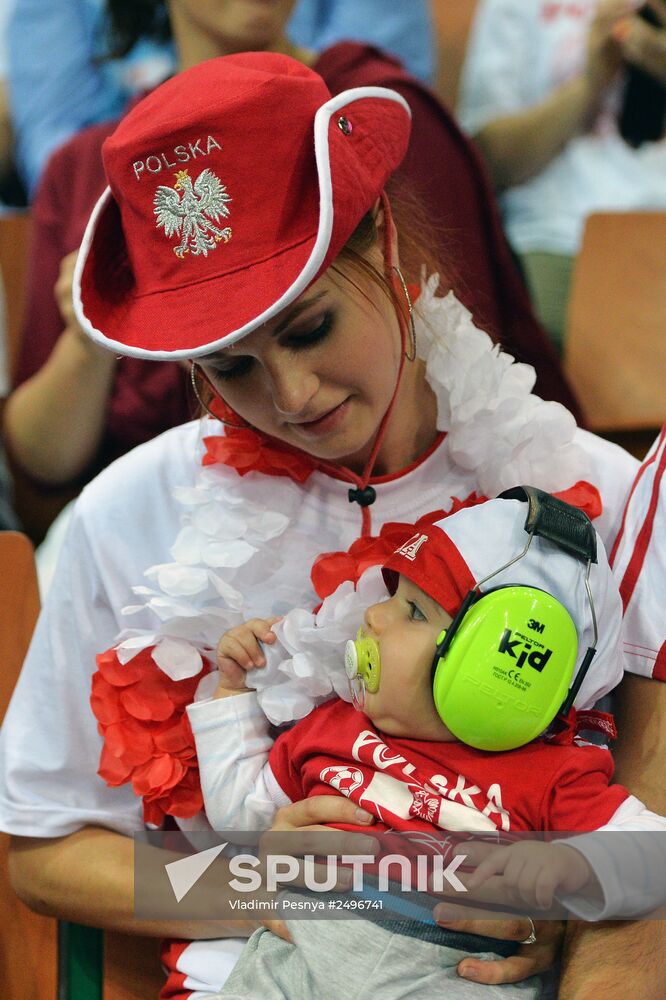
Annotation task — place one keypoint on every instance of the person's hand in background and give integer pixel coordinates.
(643, 44)
(604, 54)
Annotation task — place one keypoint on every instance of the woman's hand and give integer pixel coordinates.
(239, 650)
(63, 289)
(604, 57)
(297, 830)
(644, 45)
(530, 959)
(64, 297)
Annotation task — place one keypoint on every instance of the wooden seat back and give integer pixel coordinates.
(615, 349)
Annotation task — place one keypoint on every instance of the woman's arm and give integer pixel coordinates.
(88, 877)
(519, 146)
(607, 957)
(54, 421)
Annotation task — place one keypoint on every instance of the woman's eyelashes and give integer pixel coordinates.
(295, 340)
(242, 366)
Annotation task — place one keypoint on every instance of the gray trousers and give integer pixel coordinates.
(357, 960)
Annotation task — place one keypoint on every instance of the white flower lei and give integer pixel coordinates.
(494, 425)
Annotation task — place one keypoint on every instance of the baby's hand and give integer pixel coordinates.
(534, 871)
(239, 650)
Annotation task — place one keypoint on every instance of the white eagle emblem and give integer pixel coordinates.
(195, 214)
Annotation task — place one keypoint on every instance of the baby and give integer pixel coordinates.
(471, 606)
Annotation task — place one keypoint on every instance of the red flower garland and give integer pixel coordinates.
(245, 451)
(148, 741)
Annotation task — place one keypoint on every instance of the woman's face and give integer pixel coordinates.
(406, 627)
(321, 375)
(237, 25)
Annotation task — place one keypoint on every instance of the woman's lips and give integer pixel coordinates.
(325, 424)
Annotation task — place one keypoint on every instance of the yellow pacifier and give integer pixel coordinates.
(362, 666)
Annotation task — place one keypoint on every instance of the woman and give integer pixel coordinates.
(226, 239)
(76, 408)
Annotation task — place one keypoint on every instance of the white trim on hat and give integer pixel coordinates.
(306, 276)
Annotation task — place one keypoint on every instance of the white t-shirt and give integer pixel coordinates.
(220, 544)
(519, 52)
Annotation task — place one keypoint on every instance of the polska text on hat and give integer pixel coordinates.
(156, 162)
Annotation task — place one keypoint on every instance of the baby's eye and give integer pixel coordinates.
(415, 612)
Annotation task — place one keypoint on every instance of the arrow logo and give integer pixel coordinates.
(186, 872)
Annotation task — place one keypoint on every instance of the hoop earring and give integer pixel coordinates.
(410, 307)
(204, 406)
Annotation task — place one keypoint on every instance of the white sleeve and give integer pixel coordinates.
(612, 470)
(497, 63)
(639, 565)
(49, 744)
(628, 857)
(233, 742)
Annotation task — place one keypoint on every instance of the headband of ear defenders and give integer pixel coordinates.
(502, 670)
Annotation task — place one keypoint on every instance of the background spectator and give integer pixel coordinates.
(61, 83)
(541, 90)
(11, 190)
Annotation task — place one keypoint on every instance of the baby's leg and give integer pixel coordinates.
(356, 959)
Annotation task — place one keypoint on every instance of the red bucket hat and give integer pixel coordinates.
(232, 187)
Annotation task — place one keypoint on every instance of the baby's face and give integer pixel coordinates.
(406, 627)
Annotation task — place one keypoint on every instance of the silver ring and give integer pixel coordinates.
(531, 937)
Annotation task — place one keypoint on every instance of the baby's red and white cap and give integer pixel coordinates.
(232, 187)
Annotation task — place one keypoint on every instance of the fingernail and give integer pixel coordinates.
(621, 31)
(364, 817)
(468, 972)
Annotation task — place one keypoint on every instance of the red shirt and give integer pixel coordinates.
(410, 784)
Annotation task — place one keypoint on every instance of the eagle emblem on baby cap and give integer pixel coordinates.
(194, 215)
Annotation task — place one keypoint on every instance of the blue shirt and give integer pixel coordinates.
(57, 87)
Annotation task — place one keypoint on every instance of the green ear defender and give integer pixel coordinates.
(362, 666)
(505, 677)
(502, 670)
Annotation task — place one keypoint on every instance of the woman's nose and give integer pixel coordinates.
(292, 387)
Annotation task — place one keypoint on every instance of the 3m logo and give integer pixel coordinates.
(519, 650)
(535, 625)
(410, 549)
